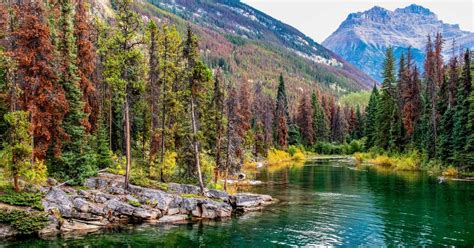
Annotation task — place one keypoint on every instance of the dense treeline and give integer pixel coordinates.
(81, 95)
(432, 115)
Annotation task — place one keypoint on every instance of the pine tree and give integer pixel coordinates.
(386, 102)
(153, 89)
(85, 61)
(446, 97)
(198, 75)
(319, 120)
(461, 121)
(469, 147)
(337, 127)
(218, 105)
(371, 117)
(123, 72)
(282, 116)
(77, 161)
(305, 121)
(433, 78)
(359, 124)
(43, 96)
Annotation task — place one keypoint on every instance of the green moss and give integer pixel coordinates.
(148, 183)
(9, 196)
(134, 203)
(24, 222)
(191, 196)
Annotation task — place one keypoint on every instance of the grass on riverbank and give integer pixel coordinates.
(411, 161)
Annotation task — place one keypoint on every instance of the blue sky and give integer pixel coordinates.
(319, 18)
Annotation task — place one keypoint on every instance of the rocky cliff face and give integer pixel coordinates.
(363, 37)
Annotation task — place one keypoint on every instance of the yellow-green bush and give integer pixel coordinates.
(450, 172)
(362, 156)
(298, 155)
(383, 160)
(275, 156)
(410, 161)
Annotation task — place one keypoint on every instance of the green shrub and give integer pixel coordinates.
(24, 222)
(9, 196)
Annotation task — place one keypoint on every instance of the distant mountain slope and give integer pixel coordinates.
(363, 37)
(253, 45)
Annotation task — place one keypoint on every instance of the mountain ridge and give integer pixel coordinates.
(363, 37)
(256, 46)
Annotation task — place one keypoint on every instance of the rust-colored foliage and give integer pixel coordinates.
(244, 108)
(305, 120)
(43, 97)
(86, 64)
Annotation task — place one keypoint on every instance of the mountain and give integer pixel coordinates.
(363, 37)
(250, 44)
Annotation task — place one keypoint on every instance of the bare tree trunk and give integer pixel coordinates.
(127, 143)
(196, 145)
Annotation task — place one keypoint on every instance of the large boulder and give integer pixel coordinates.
(56, 198)
(159, 199)
(117, 207)
(214, 210)
(249, 201)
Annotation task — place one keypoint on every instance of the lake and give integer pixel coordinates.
(329, 204)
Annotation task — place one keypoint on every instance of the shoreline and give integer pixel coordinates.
(103, 203)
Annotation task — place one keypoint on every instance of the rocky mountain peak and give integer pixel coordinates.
(415, 9)
(364, 36)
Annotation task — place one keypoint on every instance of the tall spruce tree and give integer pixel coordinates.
(319, 120)
(386, 103)
(77, 161)
(469, 147)
(371, 117)
(282, 116)
(461, 121)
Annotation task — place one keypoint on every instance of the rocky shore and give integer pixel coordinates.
(103, 202)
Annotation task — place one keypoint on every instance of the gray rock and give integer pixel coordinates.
(173, 218)
(249, 201)
(173, 211)
(144, 214)
(6, 231)
(86, 216)
(56, 198)
(78, 227)
(81, 205)
(116, 190)
(189, 204)
(214, 210)
(103, 197)
(183, 188)
(162, 199)
(119, 208)
(217, 194)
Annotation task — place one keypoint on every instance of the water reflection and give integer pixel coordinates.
(321, 204)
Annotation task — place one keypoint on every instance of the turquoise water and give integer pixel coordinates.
(320, 204)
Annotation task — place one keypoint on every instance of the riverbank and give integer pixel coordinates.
(412, 162)
(103, 203)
